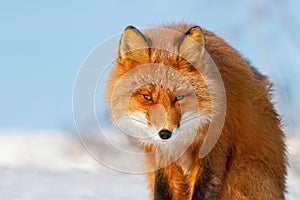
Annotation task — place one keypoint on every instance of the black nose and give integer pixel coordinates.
(165, 134)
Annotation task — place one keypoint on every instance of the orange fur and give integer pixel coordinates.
(249, 159)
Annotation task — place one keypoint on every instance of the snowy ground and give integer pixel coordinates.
(53, 165)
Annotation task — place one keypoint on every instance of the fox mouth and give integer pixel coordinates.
(136, 125)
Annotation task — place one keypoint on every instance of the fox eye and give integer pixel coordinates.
(178, 98)
(147, 97)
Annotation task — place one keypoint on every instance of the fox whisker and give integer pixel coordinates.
(187, 119)
(137, 120)
(190, 114)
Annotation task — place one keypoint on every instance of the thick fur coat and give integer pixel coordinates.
(248, 160)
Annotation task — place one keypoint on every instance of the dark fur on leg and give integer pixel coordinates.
(161, 188)
(208, 185)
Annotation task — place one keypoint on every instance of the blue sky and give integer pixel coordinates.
(43, 44)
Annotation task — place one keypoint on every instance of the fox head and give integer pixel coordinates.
(158, 89)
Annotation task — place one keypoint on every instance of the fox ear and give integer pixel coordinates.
(134, 44)
(191, 44)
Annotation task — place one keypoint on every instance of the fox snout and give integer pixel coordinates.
(165, 134)
(165, 121)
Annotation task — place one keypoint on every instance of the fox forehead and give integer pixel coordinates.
(176, 90)
(157, 77)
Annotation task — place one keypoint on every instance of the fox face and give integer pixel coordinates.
(157, 94)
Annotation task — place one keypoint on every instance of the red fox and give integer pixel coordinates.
(160, 91)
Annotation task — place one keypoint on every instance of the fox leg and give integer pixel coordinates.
(207, 186)
(161, 186)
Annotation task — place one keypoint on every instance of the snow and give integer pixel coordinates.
(54, 165)
(32, 183)
(293, 144)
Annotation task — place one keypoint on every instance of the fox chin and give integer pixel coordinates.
(164, 91)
